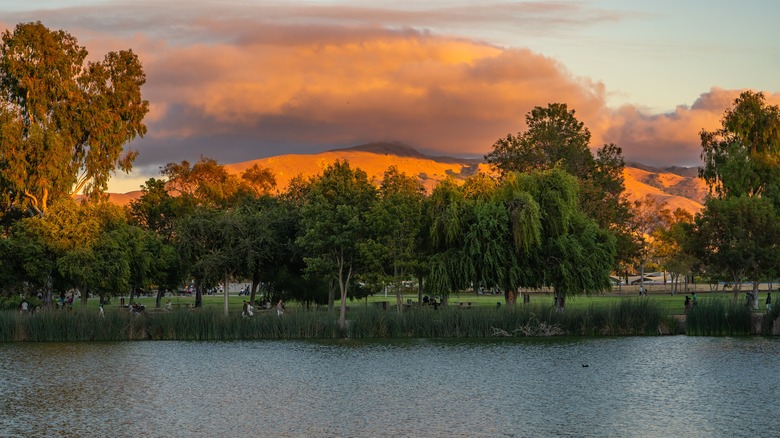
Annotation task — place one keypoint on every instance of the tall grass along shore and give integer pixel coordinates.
(628, 317)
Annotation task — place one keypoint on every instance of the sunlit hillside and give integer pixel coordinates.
(678, 188)
(374, 159)
(676, 191)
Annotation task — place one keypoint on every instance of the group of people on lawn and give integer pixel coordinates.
(692, 301)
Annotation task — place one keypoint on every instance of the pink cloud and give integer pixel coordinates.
(672, 138)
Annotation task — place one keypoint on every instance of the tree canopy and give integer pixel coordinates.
(63, 122)
(555, 138)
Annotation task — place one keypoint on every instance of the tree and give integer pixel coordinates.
(156, 210)
(260, 180)
(553, 135)
(741, 158)
(525, 234)
(444, 220)
(333, 219)
(672, 247)
(67, 227)
(395, 221)
(575, 255)
(741, 161)
(739, 236)
(63, 124)
(495, 226)
(205, 183)
(214, 243)
(554, 138)
(650, 217)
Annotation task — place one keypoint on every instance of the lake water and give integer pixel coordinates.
(639, 386)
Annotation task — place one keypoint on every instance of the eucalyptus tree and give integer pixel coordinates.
(259, 180)
(742, 157)
(395, 220)
(63, 122)
(334, 224)
(740, 168)
(206, 183)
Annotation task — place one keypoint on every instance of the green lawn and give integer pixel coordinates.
(673, 304)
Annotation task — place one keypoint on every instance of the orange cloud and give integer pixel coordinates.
(238, 87)
(445, 95)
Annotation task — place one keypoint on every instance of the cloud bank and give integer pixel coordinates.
(271, 81)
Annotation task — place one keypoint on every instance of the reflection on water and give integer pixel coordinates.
(644, 386)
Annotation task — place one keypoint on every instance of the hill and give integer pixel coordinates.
(373, 158)
(677, 186)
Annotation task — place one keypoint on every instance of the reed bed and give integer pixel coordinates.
(719, 317)
(629, 317)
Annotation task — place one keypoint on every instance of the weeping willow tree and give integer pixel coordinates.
(482, 233)
(524, 233)
(575, 256)
(445, 223)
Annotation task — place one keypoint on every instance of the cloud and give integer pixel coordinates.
(255, 81)
(298, 88)
(672, 138)
(323, 87)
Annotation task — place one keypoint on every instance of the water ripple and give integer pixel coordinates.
(645, 386)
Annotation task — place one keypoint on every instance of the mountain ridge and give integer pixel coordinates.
(678, 187)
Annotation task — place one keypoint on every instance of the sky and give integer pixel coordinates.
(238, 80)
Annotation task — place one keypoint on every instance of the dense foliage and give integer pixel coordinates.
(554, 216)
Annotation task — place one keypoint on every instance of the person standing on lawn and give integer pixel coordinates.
(768, 302)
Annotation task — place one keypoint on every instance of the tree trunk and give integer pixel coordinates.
(158, 300)
(737, 286)
(754, 296)
(510, 297)
(343, 287)
(199, 294)
(560, 302)
(255, 284)
(331, 294)
(398, 289)
(343, 307)
(226, 293)
(84, 296)
(419, 289)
